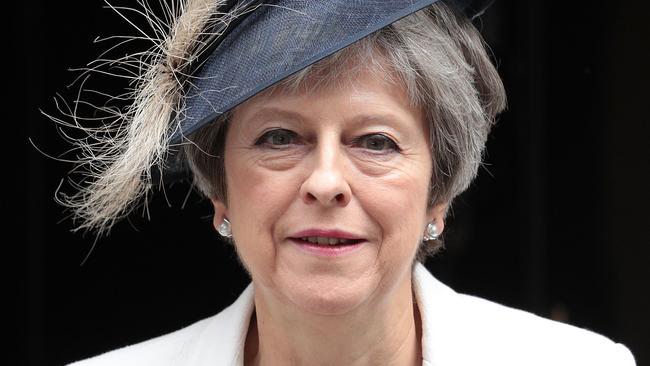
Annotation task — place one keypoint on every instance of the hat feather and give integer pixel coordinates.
(116, 158)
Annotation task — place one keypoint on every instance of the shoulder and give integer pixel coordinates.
(467, 330)
(215, 340)
(517, 335)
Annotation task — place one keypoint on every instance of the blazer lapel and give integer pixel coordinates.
(222, 342)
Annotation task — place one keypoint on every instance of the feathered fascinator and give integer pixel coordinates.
(207, 56)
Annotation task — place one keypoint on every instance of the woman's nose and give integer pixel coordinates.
(326, 183)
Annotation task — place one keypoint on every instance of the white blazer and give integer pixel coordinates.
(457, 330)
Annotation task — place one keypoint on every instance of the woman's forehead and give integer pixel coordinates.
(359, 85)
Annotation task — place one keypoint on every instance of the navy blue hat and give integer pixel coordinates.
(278, 39)
(275, 41)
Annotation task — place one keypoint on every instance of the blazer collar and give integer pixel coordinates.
(223, 340)
(435, 302)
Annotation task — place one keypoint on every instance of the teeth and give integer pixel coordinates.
(325, 241)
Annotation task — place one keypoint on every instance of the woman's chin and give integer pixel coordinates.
(321, 286)
(329, 293)
(328, 302)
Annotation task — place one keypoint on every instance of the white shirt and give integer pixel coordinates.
(457, 330)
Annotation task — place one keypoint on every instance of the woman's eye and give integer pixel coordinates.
(376, 142)
(277, 138)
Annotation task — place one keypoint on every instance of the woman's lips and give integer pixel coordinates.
(325, 233)
(327, 243)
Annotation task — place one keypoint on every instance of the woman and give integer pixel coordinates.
(331, 139)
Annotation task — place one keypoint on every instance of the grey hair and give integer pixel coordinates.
(440, 58)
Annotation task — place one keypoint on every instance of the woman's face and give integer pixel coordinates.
(348, 162)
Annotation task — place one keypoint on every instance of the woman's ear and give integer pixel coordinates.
(220, 212)
(437, 214)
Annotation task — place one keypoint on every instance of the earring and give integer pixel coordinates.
(224, 229)
(431, 232)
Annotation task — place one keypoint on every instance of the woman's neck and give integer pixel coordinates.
(376, 333)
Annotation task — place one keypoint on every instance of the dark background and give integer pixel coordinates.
(557, 222)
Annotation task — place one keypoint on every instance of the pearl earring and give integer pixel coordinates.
(224, 229)
(431, 233)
